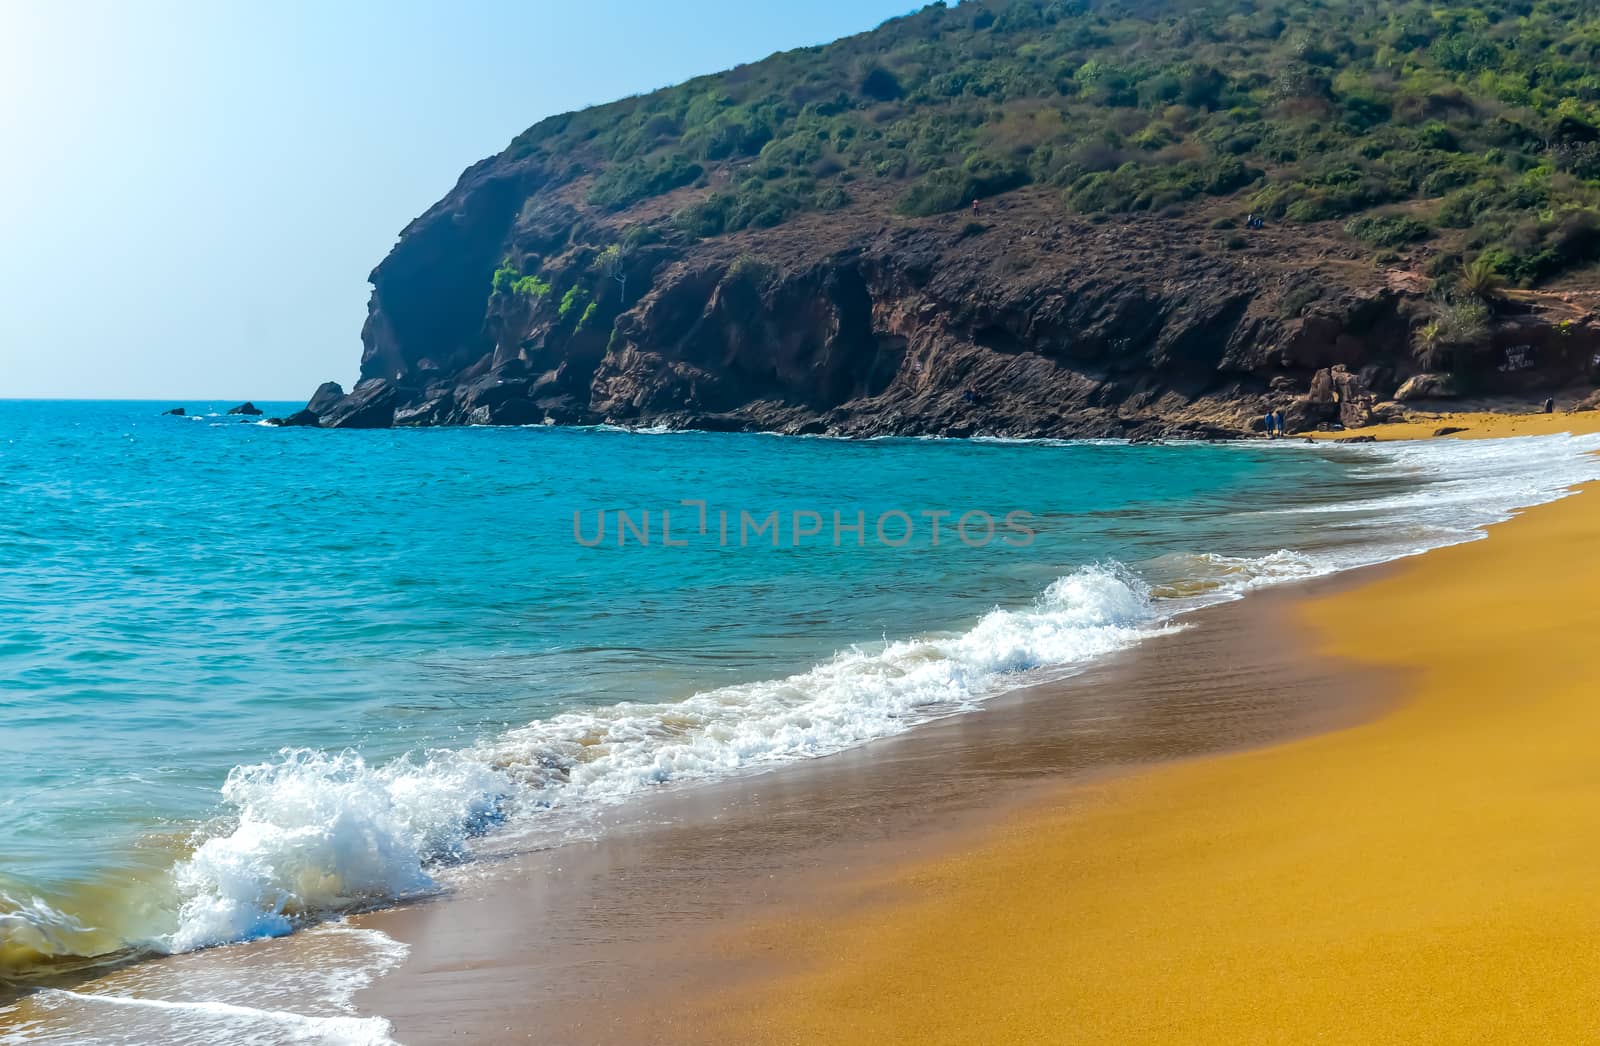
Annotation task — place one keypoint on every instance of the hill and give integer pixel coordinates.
(789, 244)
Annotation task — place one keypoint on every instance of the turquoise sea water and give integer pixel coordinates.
(251, 676)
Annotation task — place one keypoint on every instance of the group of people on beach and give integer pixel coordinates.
(1273, 424)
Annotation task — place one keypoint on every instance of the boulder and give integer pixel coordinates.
(1449, 430)
(1379, 379)
(1356, 412)
(247, 409)
(1589, 402)
(1386, 413)
(1302, 415)
(327, 394)
(370, 405)
(299, 419)
(175, 412)
(1431, 386)
(1322, 390)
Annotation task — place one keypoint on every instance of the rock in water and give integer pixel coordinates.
(299, 419)
(327, 394)
(370, 405)
(175, 412)
(248, 409)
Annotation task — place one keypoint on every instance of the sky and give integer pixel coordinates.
(193, 193)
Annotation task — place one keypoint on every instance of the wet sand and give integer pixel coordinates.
(602, 941)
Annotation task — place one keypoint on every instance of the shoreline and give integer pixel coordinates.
(740, 852)
(489, 974)
(1424, 876)
(594, 942)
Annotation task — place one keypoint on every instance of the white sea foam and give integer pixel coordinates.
(605, 755)
(82, 1019)
(313, 833)
(302, 993)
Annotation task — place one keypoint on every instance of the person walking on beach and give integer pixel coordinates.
(1268, 420)
(1277, 422)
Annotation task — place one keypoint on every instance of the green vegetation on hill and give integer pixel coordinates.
(1395, 119)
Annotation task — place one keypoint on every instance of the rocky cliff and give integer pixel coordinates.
(1017, 321)
(538, 292)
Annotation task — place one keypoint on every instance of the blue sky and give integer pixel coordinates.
(192, 194)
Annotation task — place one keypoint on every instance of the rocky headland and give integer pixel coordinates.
(539, 292)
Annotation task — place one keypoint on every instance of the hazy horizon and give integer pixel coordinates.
(194, 195)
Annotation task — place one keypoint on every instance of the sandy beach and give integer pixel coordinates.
(1425, 877)
(1023, 875)
(1352, 809)
(603, 941)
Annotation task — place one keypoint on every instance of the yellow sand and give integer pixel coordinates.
(1433, 876)
(1476, 426)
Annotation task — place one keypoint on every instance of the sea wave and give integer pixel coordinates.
(315, 832)
(312, 833)
(32, 931)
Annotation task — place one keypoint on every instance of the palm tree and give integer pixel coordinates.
(1480, 280)
(1429, 345)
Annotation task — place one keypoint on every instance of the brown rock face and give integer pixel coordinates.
(1032, 323)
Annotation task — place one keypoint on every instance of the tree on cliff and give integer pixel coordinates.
(613, 263)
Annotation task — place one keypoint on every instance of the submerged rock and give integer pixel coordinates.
(247, 409)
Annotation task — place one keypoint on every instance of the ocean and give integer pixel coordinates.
(254, 678)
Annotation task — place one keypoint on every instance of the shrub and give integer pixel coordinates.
(1295, 302)
(943, 190)
(626, 184)
(506, 275)
(751, 272)
(1464, 321)
(1493, 106)
(575, 298)
(880, 84)
(531, 287)
(508, 279)
(1386, 231)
